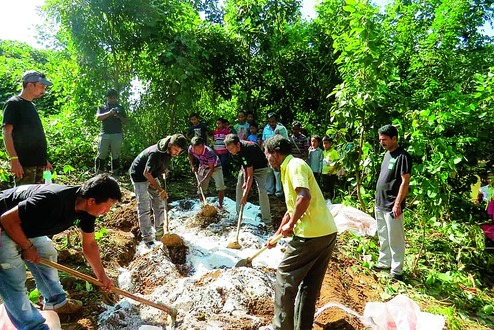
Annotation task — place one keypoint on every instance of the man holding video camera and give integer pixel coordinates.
(112, 116)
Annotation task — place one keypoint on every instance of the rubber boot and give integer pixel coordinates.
(115, 167)
(99, 165)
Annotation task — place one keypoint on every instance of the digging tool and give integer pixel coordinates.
(235, 244)
(207, 210)
(204, 202)
(168, 238)
(168, 309)
(248, 261)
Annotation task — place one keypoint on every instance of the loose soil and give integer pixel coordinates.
(346, 282)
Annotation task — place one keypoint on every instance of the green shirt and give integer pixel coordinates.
(317, 221)
(329, 161)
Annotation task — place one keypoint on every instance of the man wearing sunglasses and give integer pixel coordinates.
(23, 132)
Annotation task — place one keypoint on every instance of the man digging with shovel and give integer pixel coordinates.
(209, 167)
(146, 167)
(254, 168)
(301, 272)
(29, 214)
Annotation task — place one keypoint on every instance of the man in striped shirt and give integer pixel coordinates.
(209, 166)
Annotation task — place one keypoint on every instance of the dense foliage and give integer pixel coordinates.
(425, 66)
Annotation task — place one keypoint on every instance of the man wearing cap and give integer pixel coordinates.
(112, 115)
(146, 167)
(23, 133)
(273, 182)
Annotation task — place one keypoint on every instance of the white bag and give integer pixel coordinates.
(401, 313)
(353, 220)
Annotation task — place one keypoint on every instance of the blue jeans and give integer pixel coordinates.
(225, 163)
(13, 277)
(148, 201)
(273, 182)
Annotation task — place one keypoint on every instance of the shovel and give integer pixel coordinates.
(248, 261)
(207, 210)
(204, 202)
(168, 238)
(167, 309)
(235, 244)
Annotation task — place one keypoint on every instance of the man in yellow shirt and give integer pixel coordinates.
(301, 272)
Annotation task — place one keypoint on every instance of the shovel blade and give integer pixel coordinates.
(244, 263)
(234, 245)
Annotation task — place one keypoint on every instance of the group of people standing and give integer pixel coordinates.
(31, 214)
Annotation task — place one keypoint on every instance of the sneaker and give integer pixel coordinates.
(397, 277)
(150, 244)
(70, 307)
(380, 268)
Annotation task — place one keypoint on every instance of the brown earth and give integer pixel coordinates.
(346, 282)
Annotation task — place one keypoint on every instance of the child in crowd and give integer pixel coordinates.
(315, 157)
(329, 167)
(250, 118)
(227, 125)
(259, 139)
(219, 146)
(253, 133)
(197, 128)
(486, 193)
(300, 142)
(241, 128)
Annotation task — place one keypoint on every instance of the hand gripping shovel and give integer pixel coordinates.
(168, 238)
(168, 309)
(248, 261)
(235, 244)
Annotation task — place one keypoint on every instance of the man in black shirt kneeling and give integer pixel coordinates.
(29, 214)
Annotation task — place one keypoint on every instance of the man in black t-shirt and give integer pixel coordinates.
(23, 133)
(144, 171)
(29, 214)
(254, 167)
(391, 191)
(112, 115)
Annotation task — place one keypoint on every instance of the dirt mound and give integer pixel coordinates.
(124, 216)
(348, 284)
(222, 297)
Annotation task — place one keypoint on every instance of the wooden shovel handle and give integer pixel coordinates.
(239, 221)
(168, 309)
(200, 188)
(274, 240)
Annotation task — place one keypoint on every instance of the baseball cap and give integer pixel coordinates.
(32, 76)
